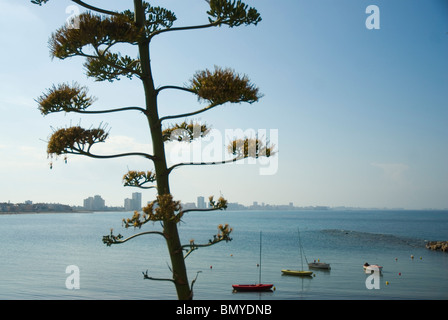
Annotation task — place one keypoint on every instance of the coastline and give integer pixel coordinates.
(41, 212)
(58, 212)
(437, 246)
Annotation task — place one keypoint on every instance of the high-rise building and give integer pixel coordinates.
(134, 204)
(94, 203)
(201, 203)
(128, 204)
(137, 200)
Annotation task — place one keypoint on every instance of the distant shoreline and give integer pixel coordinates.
(57, 212)
(43, 212)
(62, 212)
(228, 210)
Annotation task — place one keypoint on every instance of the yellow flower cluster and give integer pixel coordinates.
(74, 140)
(254, 148)
(64, 97)
(138, 178)
(222, 235)
(164, 208)
(223, 85)
(185, 131)
(93, 30)
(220, 204)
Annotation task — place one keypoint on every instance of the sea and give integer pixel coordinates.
(61, 256)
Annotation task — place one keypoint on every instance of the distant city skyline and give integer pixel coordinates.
(97, 203)
(29, 206)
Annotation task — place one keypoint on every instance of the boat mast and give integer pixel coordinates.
(259, 274)
(302, 253)
(300, 248)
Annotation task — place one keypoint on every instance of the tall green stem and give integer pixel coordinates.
(169, 228)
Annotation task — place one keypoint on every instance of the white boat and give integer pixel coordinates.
(319, 265)
(369, 268)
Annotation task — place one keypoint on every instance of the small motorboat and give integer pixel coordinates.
(368, 268)
(301, 273)
(319, 265)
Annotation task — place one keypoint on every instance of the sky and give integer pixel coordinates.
(358, 114)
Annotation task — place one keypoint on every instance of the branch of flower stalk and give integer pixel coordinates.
(189, 114)
(202, 210)
(145, 276)
(91, 155)
(108, 110)
(194, 246)
(202, 163)
(216, 239)
(109, 240)
(90, 7)
(213, 24)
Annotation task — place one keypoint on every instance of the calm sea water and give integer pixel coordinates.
(36, 249)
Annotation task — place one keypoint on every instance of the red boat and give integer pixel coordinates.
(252, 287)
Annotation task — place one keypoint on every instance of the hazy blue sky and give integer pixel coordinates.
(361, 114)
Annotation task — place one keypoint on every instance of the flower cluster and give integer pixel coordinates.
(64, 97)
(110, 66)
(249, 148)
(223, 85)
(156, 17)
(111, 239)
(74, 140)
(93, 30)
(222, 235)
(164, 208)
(138, 178)
(218, 205)
(184, 131)
(233, 13)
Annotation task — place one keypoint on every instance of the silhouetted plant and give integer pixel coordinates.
(94, 38)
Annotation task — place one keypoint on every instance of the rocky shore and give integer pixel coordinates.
(438, 245)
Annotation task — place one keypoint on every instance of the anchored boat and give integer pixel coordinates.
(368, 268)
(298, 272)
(319, 265)
(254, 287)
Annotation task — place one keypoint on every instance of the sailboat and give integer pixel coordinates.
(254, 287)
(298, 272)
